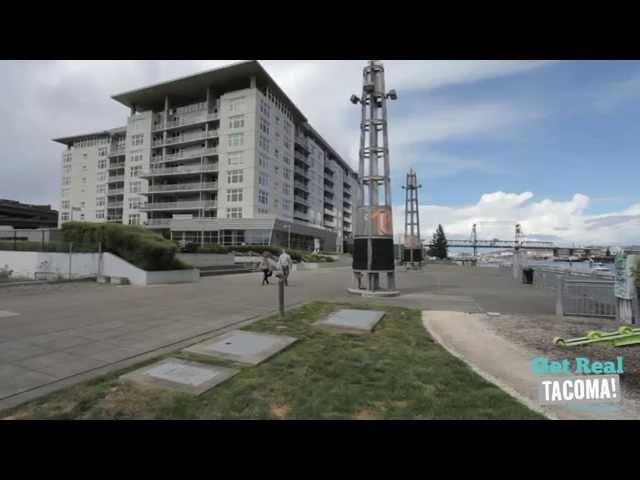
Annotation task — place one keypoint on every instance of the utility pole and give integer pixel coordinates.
(373, 254)
(412, 244)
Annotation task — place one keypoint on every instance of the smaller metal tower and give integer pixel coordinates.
(412, 256)
(474, 239)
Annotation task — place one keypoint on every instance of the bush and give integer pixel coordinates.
(134, 243)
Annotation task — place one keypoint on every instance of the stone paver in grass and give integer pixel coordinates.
(244, 347)
(6, 313)
(187, 377)
(352, 321)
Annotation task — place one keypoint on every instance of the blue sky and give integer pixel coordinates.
(551, 145)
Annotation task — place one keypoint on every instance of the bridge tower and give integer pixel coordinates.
(474, 239)
(412, 255)
(373, 255)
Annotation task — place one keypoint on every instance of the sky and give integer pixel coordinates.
(551, 145)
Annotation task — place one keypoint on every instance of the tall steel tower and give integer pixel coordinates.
(412, 245)
(373, 254)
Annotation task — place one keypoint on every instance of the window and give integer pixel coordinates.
(137, 139)
(65, 192)
(235, 176)
(263, 161)
(236, 140)
(263, 197)
(134, 203)
(276, 169)
(263, 211)
(286, 144)
(102, 177)
(286, 172)
(136, 157)
(101, 188)
(67, 170)
(134, 219)
(236, 121)
(263, 179)
(65, 204)
(286, 189)
(66, 158)
(102, 152)
(234, 195)
(234, 212)
(100, 202)
(275, 202)
(135, 171)
(65, 217)
(264, 126)
(84, 180)
(236, 105)
(83, 204)
(276, 153)
(264, 143)
(235, 159)
(286, 204)
(99, 214)
(66, 181)
(286, 159)
(135, 187)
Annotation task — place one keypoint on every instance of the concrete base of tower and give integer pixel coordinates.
(374, 293)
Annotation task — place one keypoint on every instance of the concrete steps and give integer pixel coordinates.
(215, 270)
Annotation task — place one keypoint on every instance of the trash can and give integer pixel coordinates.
(527, 276)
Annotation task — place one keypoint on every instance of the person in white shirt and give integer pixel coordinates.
(285, 264)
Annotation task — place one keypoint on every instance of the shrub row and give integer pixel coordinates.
(296, 255)
(134, 243)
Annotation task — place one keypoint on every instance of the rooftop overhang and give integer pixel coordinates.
(87, 136)
(185, 90)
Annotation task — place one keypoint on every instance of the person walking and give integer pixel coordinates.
(284, 261)
(266, 266)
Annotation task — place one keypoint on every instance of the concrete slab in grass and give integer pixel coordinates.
(244, 347)
(6, 314)
(352, 321)
(175, 374)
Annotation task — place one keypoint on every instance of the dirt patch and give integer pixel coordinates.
(280, 410)
(365, 414)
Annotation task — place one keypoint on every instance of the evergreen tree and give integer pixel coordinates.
(438, 245)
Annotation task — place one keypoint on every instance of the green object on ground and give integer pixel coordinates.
(624, 336)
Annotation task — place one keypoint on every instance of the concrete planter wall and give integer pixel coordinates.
(39, 265)
(206, 259)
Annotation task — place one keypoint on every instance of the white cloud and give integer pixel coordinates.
(496, 214)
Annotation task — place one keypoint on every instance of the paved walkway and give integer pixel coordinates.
(501, 362)
(67, 333)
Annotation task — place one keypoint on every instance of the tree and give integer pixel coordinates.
(608, 254)
(438, 245)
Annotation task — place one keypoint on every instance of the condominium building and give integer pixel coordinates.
(223, 156)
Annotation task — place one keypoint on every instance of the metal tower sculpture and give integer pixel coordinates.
(412, 256)
(373, 254)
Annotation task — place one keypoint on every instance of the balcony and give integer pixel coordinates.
(300, 185)
(182, 122)
(116, 165)
(301, 200)
(157, 172)
(328, 171)
(302, 158)
(300, 171)
(114, 219)
(329, 212)
(116, 178)
(186, 138)
(302, 141)
(193, 205)
(183, 187)
(115, 205)
(346, 186)
(158, 222)
(115, 191)
(117, 150)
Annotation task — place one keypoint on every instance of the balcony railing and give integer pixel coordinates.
(116, 178)
(115, 204)
(114, 219)
(119, 150)
(346, 186)
(193, 205)
(210, 167)
(158, 222)
(116, 166)
(300, 171)
(181, 187)
(302, 200)
(115, 191)
(301, 185)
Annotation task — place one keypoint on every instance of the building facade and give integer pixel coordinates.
(21, 215)
(219, 157)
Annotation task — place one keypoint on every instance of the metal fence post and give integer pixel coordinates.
(281, 295)
(15, 240)
(559, 293)
(70, 255)
(43, 240)
(99, 259)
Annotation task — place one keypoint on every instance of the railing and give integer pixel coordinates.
(115, 191)
(178, 187)
(210, 167)
(300, 185)
(300, 171)
(114, 219)
(197, 204)
(116, 178)
(158, 222)
(115, 205)
(590, 298)
(116, 166)
(299, 199)
(117, 150)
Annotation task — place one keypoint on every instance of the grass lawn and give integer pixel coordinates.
(398, 372)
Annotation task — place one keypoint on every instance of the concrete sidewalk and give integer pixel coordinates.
(504, 363)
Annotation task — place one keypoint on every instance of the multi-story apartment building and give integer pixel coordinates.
(223, 156)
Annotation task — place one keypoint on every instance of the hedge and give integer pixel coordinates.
(296, 255)
(134, 243)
